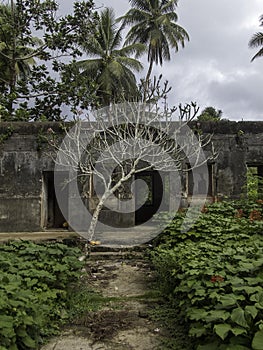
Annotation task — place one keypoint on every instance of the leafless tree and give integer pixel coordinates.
(113, 144)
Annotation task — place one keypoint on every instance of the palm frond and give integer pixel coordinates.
(154, 24)
(258, 54)
(143, 5)
(116, 42)
(129, 62)
(90, 67)
(138, 33)
(112, 68)
(169, 6)
(256, 40)
(138, 49)
(134, 16)
(93, 47)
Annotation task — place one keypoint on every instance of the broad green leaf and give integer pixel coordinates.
(29, 342)
(197, 330)
(258, 297)
(228, 300)
(259, 306)
(200, 292)
(245, 266)
(238, 331)
(247, 289)
(257, 342)
(215, 295)
(222, 330)
(191, 283)
(6, 321)
(237, 281)
(197, 314)
(217, 315)
(238, 316)
(259, 324)
(252, 310)
(28, 320)
(238, 257)
(21, 332)
(258, 262)
(7, 326)
(251, 281)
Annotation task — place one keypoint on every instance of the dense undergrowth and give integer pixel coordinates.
(35, 284)
(212, 276)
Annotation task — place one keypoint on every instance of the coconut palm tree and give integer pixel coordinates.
(257, 41)
(15, 57)
(13, 65)
(112, 67)
(154, 25)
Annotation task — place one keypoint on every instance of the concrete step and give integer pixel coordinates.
(116, 255)
(57, 235)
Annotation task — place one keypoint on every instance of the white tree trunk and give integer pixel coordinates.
(96, 213)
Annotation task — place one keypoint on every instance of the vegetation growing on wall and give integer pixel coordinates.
(8, 133)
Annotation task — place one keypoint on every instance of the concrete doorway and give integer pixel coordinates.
(157, 191)
(51, 215)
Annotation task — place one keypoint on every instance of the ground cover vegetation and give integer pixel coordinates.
(212, 276)
(36, 291)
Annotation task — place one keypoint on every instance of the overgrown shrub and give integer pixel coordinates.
(214, 273)
(34, 279)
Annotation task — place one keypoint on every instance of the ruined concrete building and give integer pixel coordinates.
(27, 196)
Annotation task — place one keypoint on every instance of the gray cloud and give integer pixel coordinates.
(215, 67)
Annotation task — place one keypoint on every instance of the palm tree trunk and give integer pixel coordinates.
(147, 80)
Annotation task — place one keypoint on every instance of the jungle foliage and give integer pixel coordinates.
(35, 288)
(212, 275)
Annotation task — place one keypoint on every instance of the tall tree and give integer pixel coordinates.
(257, 41)
(210, 114)
(136, 140)
(112, 67)
(154, 23)
(35, 82)
(16, 57)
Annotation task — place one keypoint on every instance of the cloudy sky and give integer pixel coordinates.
(214, 68)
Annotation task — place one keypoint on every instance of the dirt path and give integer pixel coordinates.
(123, 323)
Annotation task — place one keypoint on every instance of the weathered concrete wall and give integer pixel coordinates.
(23, 161)
(239, 144)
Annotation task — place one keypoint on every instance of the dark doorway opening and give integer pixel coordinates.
(156, 191)
(201, 187)
(52, 216)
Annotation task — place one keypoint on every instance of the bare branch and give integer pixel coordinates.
(115, 143)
